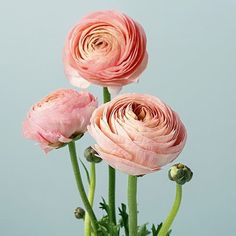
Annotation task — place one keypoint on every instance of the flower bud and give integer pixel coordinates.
(79, 213)
(180, 173)
(91, 155)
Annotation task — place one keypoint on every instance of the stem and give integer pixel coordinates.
(112, 175)
(92, 184)
(106, 95)
(111, 194)
(132, 204)
(80, 186)
(170, 218)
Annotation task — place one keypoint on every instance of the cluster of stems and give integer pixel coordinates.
(91, 222)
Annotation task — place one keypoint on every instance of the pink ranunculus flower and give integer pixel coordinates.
(59, 118)
(106, 48)
(137, 134)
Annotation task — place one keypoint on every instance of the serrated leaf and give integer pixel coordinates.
(102, 231)
(104, 206)
(103, 226)
(155, 230)
(143, 231)
(106, 228)
(110, 229)
(86, 171)
(169, 232)
(124, 221)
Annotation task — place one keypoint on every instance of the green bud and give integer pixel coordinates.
(79, 213)
(180, 173)
(91, 155)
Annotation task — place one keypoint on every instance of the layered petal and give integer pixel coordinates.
(106, 48)
(137, 133)
(59, 117)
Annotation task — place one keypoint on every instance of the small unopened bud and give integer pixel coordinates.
(91, 155)
(79, 213)
(180, 173)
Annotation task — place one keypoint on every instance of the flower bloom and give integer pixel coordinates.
(106, 48)
(59, 118)
(137, 134)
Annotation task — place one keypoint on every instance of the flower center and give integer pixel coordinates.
(140, 111)
(99, 44)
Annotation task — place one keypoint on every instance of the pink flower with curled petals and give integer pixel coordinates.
(106, 48)
(59, 118)
(137, 134)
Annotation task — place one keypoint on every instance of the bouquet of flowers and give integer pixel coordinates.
(136, 134)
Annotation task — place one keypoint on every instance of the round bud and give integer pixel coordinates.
(180, 173)
(79, 213)
(91, 155)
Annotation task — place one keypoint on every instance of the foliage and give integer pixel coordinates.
(106, 229)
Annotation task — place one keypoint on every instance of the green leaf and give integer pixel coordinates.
(102, 231)
(104, 206)
(124, 221)
(105, 227)
(143, 231)
(155, 230)
(86, 171)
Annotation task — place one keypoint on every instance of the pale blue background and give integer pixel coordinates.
(192, 49)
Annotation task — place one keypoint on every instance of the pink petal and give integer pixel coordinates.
(125, 165)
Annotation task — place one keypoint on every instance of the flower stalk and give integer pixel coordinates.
(112, 175)
(106, 95)
(80, 187)
(170, 218)
(132, 204)
(92, 185)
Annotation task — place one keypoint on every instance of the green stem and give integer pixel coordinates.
(106, 95)
(92, 184)
(111, 194)
(80, 186)
(112, 175)
(132, 204)
(170, 218)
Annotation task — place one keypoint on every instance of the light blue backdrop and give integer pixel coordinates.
(191, 47)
